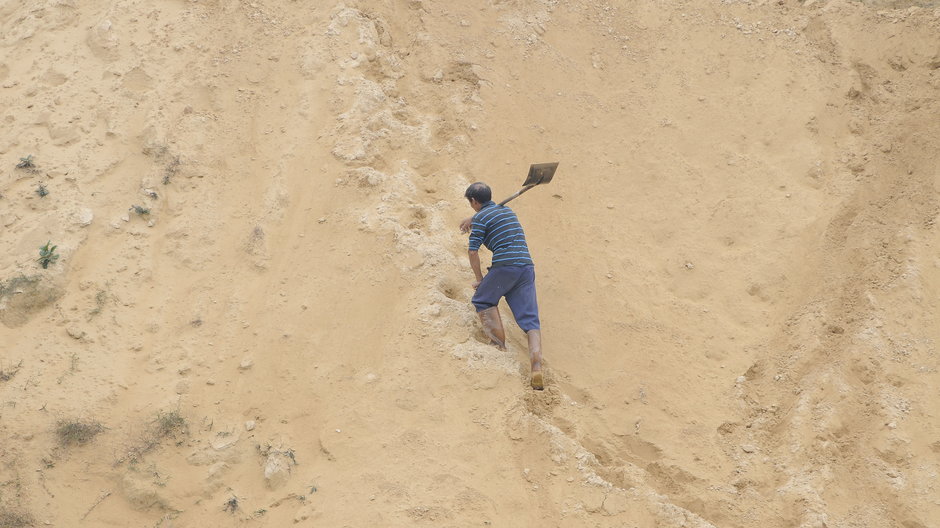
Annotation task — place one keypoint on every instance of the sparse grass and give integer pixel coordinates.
(170, 423)
(7, 375)
(73, 366)
(171, 169)
(231, 505)
(101, 298)
(16, 283)
(77, 432)
(14, 519)
(26, 163)
(141, 211)
(42, 191)
(47, 255)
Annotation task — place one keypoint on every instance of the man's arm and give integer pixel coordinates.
(465, 224)
(474, 257)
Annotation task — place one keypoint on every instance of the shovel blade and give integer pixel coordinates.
(540, 173)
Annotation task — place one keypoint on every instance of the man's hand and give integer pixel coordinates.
(476, 284)
(465, 224)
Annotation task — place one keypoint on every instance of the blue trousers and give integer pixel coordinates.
(517, 285)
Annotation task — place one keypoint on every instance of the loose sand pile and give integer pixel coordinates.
(259, 311)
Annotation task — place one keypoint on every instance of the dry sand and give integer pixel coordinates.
(737, 263)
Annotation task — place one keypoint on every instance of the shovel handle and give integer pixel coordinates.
(519, 192)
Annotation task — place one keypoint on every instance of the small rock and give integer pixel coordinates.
(222, 442)
(246, 364)
(182, 387)
(748, 448)
(250, 425)
(210, 381)
(741, 379)
(276, 471)
(82, 217)
(75, 333)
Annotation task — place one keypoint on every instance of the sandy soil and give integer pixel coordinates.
(737, 263)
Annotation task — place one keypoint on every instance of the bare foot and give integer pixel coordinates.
(537, 380)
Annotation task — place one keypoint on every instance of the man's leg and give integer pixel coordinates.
(493, 326)
(524, 305)
(489, 292)
(535, 358)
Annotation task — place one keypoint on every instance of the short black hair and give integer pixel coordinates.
(479, 191)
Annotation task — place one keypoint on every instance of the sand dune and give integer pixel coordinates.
(259, 313)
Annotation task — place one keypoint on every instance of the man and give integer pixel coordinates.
(511, 275)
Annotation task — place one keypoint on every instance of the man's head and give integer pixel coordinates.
(478, 194)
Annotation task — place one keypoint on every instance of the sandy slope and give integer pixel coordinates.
(736, 261)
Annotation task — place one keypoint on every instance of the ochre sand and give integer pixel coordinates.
(737, 263)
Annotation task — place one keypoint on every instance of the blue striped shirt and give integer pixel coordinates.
(497, 227)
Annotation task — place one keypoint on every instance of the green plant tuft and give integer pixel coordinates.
(47, 255)
(42, 191)
(26, 163)
(142, 211)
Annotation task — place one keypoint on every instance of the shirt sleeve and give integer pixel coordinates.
(477, 232)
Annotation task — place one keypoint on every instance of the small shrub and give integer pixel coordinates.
(231, 505)
(142, 211)
(47, 255)
(26, 163)
(76, 432)
(42, 191)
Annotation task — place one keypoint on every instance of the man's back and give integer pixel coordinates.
(498, 228)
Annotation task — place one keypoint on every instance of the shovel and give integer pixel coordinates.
(539, 173)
